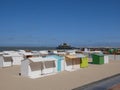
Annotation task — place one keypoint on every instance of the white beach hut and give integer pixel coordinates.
(62, 53)
(50, 65)
(43, 52)
(38, 67)
(32, 67)
(27, 54)
(16, 56)
(35, 53)
(5, 60)
(54, 52)
(72, 62)
(106, 59)
(71, 52)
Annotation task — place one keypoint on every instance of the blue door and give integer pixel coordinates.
(59, 65)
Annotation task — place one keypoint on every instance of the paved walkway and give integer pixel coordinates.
(103, 84)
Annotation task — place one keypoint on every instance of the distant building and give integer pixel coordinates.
(64, 46)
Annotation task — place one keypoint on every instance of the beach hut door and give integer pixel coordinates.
(59, 65)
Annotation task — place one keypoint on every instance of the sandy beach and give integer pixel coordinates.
(10, 79)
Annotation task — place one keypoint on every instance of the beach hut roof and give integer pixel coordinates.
(39, 59)
(36, 59)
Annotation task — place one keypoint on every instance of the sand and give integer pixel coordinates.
(10, 79)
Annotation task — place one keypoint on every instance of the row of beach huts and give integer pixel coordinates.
(36, 64)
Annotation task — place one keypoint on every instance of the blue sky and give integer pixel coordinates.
(52, 22)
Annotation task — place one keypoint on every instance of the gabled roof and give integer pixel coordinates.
(40, 59)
